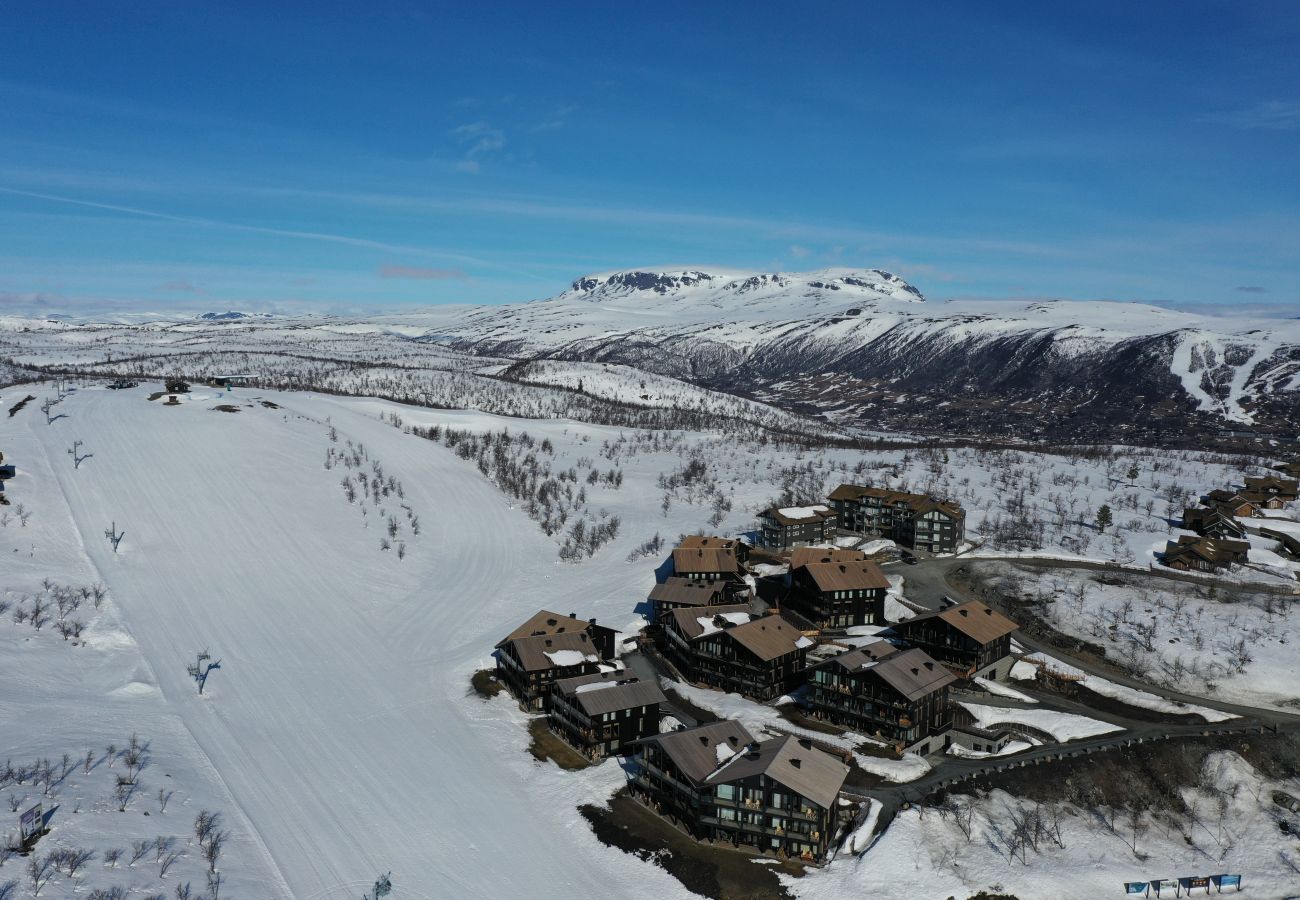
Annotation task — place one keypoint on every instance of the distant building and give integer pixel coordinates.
(600, 715)
(726, 647)
(839, 594)
(1204, 554)
(784, 527)
(777, 797)
(971, 639)
(176, 386)
(910, 520)
(900, 696)
(1271, 486)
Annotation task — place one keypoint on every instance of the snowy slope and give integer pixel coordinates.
(340, 720)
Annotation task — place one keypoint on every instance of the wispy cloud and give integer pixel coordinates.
(557, 119)
(1251, 289)
(478, 140)
(325, 237)
(1271, 115)
(420, 273)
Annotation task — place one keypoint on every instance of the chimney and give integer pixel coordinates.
(916, 671)
(796, 762)
(573, 615)
(965, 612)
(930, 666)
(987, 611)
(591, 621)
(704, 739)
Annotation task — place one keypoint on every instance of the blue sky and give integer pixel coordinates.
(333, 155)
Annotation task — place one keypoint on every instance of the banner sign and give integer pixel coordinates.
(1195, 881)
(30, 822)
(1223, 881)
(1136, 887)
(1160, 884)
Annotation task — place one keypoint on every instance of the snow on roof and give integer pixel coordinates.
(804, 641)
(724, 753)
(570, 657)
(802, 512)
(594, 686)
(709, 625)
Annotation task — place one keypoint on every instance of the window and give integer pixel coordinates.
(726, 792)
(725, 814)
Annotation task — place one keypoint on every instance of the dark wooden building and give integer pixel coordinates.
(802, 556)
(668, 771)
(1212, 523)
(679, 592)
(970, 638)
(900, 696)
(549, 647)
(1204, 554)
(776, 797)
(910, 520)
(1283, 489)
(703, 558)
(600, 715)
(1231, 503)
(726, 647)
(839, 594)
(783, 528)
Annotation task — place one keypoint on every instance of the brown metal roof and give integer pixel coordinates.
(802, 556)
(847, 576)
(910, 672)
(687, 591)
(532, 650)
(688, 617)
(974, 619)
(545, 622)
(767, 638)
(694, 750)
(624, 691)
(791, 762)
(704, 560)
(694, 541)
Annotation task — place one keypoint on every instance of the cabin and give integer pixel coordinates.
(668, 771)
(777, 797)
(601, 715)
(1231, 503)
(231, 381)
(728, 648)
(1290, 470)
(900, 696)
(176, 386)
(709, 559)
(549, 648)
(839, 594)
(783, 528)
(1284, 489)
(971, 639)
(679, 592)
(917, 521)
(1212, 523)
(1204, 554)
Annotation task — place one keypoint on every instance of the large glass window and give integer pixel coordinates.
(726, 792)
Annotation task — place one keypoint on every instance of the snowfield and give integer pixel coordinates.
(339, 736)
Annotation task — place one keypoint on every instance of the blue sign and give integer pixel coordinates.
(1136, 887)
(30, 822)
(1224, 881)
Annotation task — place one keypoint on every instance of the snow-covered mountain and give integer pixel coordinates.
(863, 347)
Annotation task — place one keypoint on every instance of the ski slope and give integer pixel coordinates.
(340, 720)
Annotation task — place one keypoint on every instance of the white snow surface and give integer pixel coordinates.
(339, 738)
(1062, 726)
